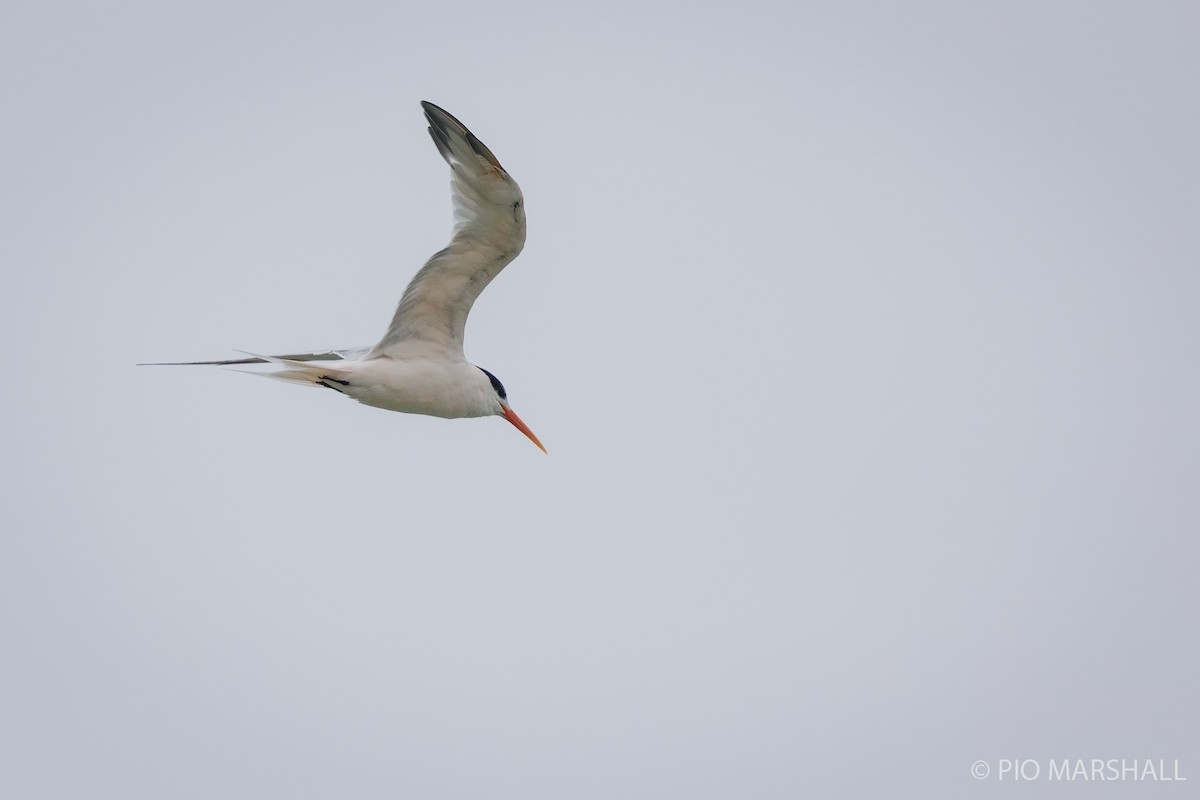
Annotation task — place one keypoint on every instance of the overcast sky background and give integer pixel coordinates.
(863, 338)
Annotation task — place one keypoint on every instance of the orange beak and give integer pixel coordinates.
(512, 417)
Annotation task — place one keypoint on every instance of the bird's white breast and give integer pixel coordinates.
(437, 387)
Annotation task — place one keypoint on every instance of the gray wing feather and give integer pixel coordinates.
(349, 354)
(489, 232)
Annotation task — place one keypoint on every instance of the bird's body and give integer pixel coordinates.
(411, 384)
(418, 367)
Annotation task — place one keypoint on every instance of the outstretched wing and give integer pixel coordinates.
(349, 354)
(489, 232)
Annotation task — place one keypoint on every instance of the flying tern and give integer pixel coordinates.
(418, 367)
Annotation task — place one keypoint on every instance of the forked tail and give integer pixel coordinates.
(306, 373)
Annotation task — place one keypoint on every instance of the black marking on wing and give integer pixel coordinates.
(496, 384)
(324, 381)
(443, 124)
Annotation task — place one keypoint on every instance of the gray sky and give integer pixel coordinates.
(863, 340)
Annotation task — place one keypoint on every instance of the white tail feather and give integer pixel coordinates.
(302, 372)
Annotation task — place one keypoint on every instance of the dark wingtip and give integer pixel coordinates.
(439, 138)
(443, 124)
(224, 363)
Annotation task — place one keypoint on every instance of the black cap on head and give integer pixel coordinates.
(496, 384)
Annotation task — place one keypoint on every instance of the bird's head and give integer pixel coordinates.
(504, 410)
